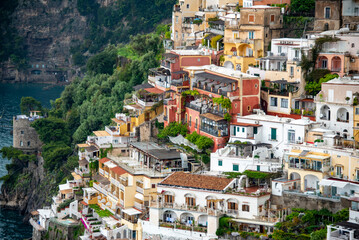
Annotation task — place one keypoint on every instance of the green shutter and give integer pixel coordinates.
(235, 167)
(273, 134)
(219, 162)
(255, 130)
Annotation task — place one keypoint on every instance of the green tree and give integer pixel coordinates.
(28, 104)
(172, 130)
(302, 6)
(52, 130)
(103, 62)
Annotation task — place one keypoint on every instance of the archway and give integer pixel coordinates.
(244, 50)
(342, 115)
(187, 218)
(296, 184)
(228, 64)
(203, 220)
(325, 113)
(336, 64)
(311, 183)
(169, 216)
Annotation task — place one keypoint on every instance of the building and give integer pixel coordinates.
(334, 106)
(346, 230)
(248, 37)
(336, 14)
(125, 185)
(193, 203)
(200, 112)
(25, 137)
(271, 131)
(327, 15)
(172, 65)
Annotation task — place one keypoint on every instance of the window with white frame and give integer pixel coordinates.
(327, 12)
(291, 71)
(284, 103)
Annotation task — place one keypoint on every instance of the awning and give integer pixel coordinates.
(215, 77)
(131, 211)
(179, 72)
(333, 183)
(201, 14)
(139, 196)
(110, 164)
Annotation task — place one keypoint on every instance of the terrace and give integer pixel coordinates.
(214, 125)
(214, 83)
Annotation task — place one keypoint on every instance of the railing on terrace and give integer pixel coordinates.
(210, 211)
(209, 89)
(181, 226)
(305, 167)
(140, 190)
(336, 69)
(205, 109)
(121, 202)
(139, 206)
(99, 188)
(310, 194)
(115, 182)
(280, 93)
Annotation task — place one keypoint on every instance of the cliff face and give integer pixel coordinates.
(32, 190)
(48, 28)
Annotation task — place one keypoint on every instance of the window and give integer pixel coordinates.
(357, 111)
(357, 174)
(21, 144)
(251, 18)
(291, 71)
(255, 130)
(28, 143)
(279, 49)
(339, 171)
(176, 35)
(153, 186)
(22, 132)
(220, 163)
(190, 121)
(168, 198)
(273, 102)
(272, 18)
(176, 19)
(187, 6)
(245, 208)
(232, 206)
(296, 53)
(190, 201)
(356, 11)
(242, 129)
(249, 108)
(251, 35)
(260, 208)
(235, 167)
(324, 63)
(273, 135)
(327, 12)
(353, 45)
(284, 103)
(196, 123)
(291, 136)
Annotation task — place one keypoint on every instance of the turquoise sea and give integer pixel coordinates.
(11, 224)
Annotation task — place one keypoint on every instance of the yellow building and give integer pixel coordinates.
(248, 37)
(356, 123)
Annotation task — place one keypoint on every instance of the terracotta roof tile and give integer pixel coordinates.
(188, 180)
(103, 160)
(246, 124)
(119, 171)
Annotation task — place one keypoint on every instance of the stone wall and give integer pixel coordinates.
(289, 200)
(60, 231)
(25, 137)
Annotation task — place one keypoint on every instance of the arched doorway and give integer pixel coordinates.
(311, 183)
(336, 64)
(343, 115)
(169, 216)
(323, 62)
(296, 184)
(187, 218)
(325, 113)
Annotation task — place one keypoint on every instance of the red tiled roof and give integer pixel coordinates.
(83, 203)
(182, 179)
(154, 90)
(103, 160)
(118, 170)
(246, 124)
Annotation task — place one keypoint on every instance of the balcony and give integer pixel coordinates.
(238, 40)
(140, 189)
(139, 206)
(122, 203)
(283, 92)
(169, 102)
(181, 226)
(99, 188)
(218, 91)
(115, 182)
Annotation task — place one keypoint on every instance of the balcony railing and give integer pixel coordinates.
(202, 110)
(139, 206)
(115, 182)
(336, 69)
(212, 90)
(183, 227)
(140, 190)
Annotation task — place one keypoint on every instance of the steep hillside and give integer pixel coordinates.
(54, 38)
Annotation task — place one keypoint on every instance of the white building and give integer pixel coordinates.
(192, 204)
(260, 128)
(334, 107)
(346, 230)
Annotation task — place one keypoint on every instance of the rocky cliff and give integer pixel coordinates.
(32, 190)
(48, 29)
(54, 38)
